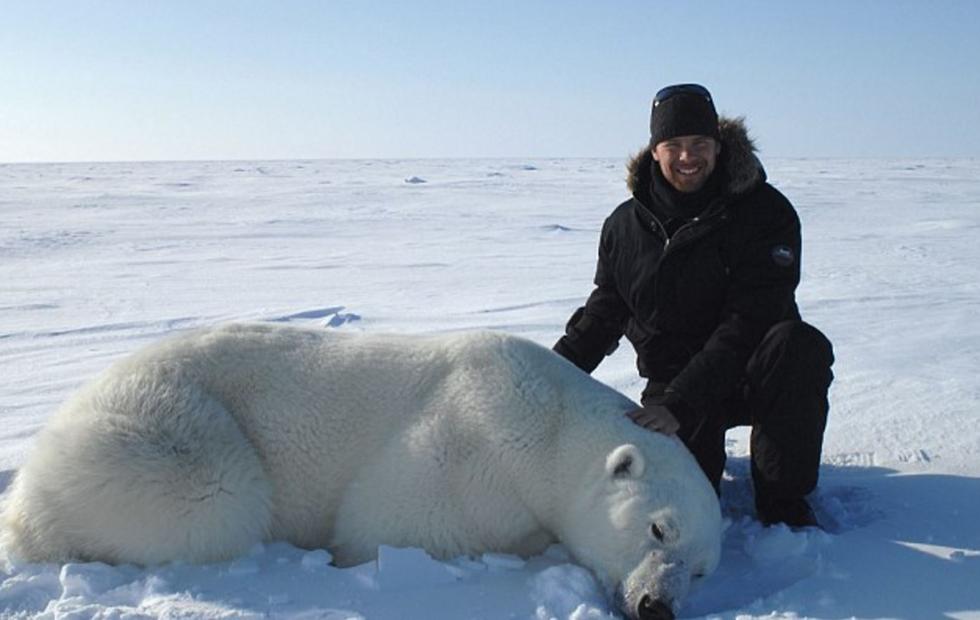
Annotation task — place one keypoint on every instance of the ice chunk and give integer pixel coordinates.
(503, 561)
(568, 591)
(315, 560)
(410, 568)
(91, 579)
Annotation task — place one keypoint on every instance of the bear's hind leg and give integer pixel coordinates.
(151, 476)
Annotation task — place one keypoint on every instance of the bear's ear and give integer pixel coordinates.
(626, 461)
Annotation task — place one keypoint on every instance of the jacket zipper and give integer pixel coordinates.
(697, 220)
(659, 227)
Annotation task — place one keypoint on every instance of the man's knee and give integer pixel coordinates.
(798, 345)
(790, 374)
(801, 338)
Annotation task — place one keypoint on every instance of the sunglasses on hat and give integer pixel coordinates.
(680, 89)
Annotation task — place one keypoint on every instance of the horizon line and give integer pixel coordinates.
(444, 158)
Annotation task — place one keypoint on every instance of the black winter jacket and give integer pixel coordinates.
(694, 307)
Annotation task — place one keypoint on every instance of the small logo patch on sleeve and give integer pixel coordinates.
(783, 255)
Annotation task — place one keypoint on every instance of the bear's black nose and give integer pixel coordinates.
(653, 609)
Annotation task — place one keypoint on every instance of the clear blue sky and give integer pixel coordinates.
(210, 79)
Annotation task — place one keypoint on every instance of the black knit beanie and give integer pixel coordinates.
(683, 110)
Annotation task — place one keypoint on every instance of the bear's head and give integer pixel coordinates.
(647, 522)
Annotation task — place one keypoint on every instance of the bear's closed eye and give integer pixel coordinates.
(657, 532)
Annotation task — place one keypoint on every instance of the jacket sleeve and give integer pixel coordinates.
(761, 293)
(594, 330)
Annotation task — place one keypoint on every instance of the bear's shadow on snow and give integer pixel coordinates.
(900, 580)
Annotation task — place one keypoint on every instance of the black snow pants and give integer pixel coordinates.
(783, 397)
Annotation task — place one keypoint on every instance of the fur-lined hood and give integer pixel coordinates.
(738, 162)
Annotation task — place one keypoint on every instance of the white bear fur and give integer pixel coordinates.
(198, 447)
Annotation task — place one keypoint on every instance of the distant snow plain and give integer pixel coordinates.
(97, 260)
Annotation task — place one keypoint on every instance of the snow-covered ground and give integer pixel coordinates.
(97, 260)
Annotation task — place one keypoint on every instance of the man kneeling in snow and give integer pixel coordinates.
(699, 270)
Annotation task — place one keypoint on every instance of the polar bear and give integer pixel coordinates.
(200, 446)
